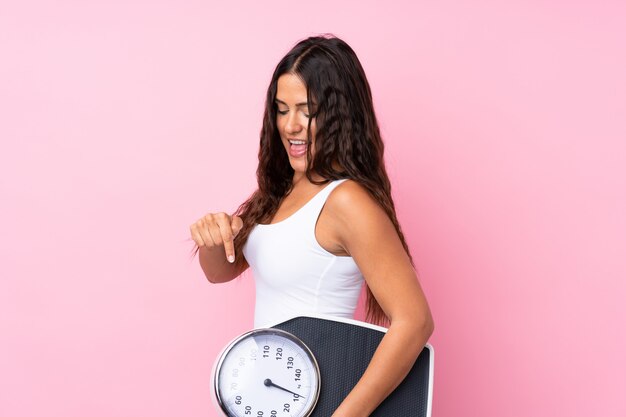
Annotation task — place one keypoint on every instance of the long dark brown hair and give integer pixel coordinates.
(347, 142)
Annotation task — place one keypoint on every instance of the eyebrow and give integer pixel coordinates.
(297, 105)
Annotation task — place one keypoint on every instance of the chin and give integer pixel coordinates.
(298, 165)
(300, 168)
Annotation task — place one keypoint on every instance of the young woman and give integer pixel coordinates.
(322, 220)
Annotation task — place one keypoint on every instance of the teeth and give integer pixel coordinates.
(297, 142)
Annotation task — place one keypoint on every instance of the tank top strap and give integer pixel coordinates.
(315, 207)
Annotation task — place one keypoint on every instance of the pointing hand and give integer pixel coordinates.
(217, 229)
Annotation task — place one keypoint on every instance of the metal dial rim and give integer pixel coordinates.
(273, 331)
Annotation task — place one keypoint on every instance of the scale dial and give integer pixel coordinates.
(266, 373)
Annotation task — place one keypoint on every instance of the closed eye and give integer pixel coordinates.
(284, 112)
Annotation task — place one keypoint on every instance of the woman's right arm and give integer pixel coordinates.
(214, 235)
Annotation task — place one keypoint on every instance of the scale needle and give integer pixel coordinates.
(268, 383)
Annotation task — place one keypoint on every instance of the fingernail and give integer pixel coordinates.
(231, 258)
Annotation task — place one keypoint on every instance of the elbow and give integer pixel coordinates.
(220, 277)
(424, 325)
(212, 275)
(428, 326)
(212, 278)
(215, 279)
(419, 325)
(427, 322)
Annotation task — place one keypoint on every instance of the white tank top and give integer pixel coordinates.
(294, 275)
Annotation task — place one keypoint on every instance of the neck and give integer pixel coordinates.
(300, 178)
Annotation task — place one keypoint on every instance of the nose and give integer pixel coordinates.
(293, 125)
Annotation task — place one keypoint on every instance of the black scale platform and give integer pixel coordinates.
(343, 351)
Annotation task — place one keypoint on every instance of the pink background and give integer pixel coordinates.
(122, 122)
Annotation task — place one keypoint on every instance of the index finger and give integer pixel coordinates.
(227, 238)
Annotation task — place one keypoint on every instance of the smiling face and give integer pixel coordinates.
(292, 120)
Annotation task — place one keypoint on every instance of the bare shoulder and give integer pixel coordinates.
(351, 200)
(362, 228)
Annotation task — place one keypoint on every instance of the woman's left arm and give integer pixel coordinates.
(365, 231)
